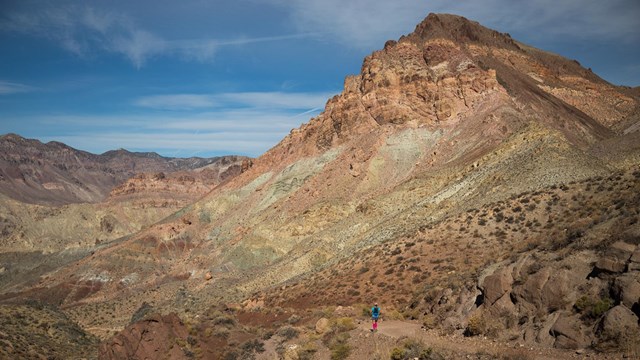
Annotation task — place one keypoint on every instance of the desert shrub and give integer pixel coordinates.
(293, 319)
(344, 324)
(592, 308)
(411, 349)
(307, 351)
(339, 347)
(340, 351)
(230, 355)
(288, 332)
(397, 354)
(224, 320)
(393, 315)
(623, 340)
(251, 346)
(267, 335)
(221, 332)
(476, 325)
(430, 321)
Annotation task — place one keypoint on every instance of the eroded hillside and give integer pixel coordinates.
(456, 153)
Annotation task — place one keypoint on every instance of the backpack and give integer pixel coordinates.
(375, 311)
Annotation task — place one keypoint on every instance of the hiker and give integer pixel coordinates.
(375, 314)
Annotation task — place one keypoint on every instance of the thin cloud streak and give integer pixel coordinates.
(367, 23)
(84, 30)
(261, 100)
(176, 102)
(7, 88)
(246, 131)
(170, 143)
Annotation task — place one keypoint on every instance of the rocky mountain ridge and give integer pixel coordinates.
(56, 174)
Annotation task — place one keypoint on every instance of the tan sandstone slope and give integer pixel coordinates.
(450, 118)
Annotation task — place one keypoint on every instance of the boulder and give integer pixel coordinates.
(322, 326)
(616, 257)
(151, 338)
(531, 291)
(618, 330)
(611, 264)
(617, 321)
(544, 336)
(291, 353)
(626, 289)
(344, 311)
(634, 262)
(569, 333)
(496, 285)
(558, 291)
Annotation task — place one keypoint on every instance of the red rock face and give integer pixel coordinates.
(447, 70)
(155, 337)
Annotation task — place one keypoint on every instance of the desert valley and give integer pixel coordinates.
(484, 192)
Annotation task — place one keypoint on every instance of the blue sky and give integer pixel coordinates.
(205, 78)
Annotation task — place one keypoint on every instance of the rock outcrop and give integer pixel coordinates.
(154, 337)
(546, 297)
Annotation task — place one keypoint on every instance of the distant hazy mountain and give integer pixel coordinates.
(54, 173)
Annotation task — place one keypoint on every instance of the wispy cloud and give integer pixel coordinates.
(172, 144)
(568, 19)
(238, 131)
(368, 23)
(176, 101)
(262, 100)
(7, 87)
(248, 123)
(85, 31)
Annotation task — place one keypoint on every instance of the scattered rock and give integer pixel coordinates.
(322, 326)
(568, 333)
(147, 339)
(344, 311)
(291, 353)
(616, 257)
(496, 285)
(626, 289)
(617, 321)
(634, 262)
(208, 276)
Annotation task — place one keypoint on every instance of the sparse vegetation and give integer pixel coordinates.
(593, 308)
(411, 350)
(288, 332)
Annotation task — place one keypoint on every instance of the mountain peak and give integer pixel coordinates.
(459, 29)
(12, 137)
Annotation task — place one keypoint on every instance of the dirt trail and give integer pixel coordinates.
(378, 344)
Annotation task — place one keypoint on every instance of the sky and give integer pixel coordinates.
(208, 78)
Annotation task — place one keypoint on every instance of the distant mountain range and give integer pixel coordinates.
(54, 173)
